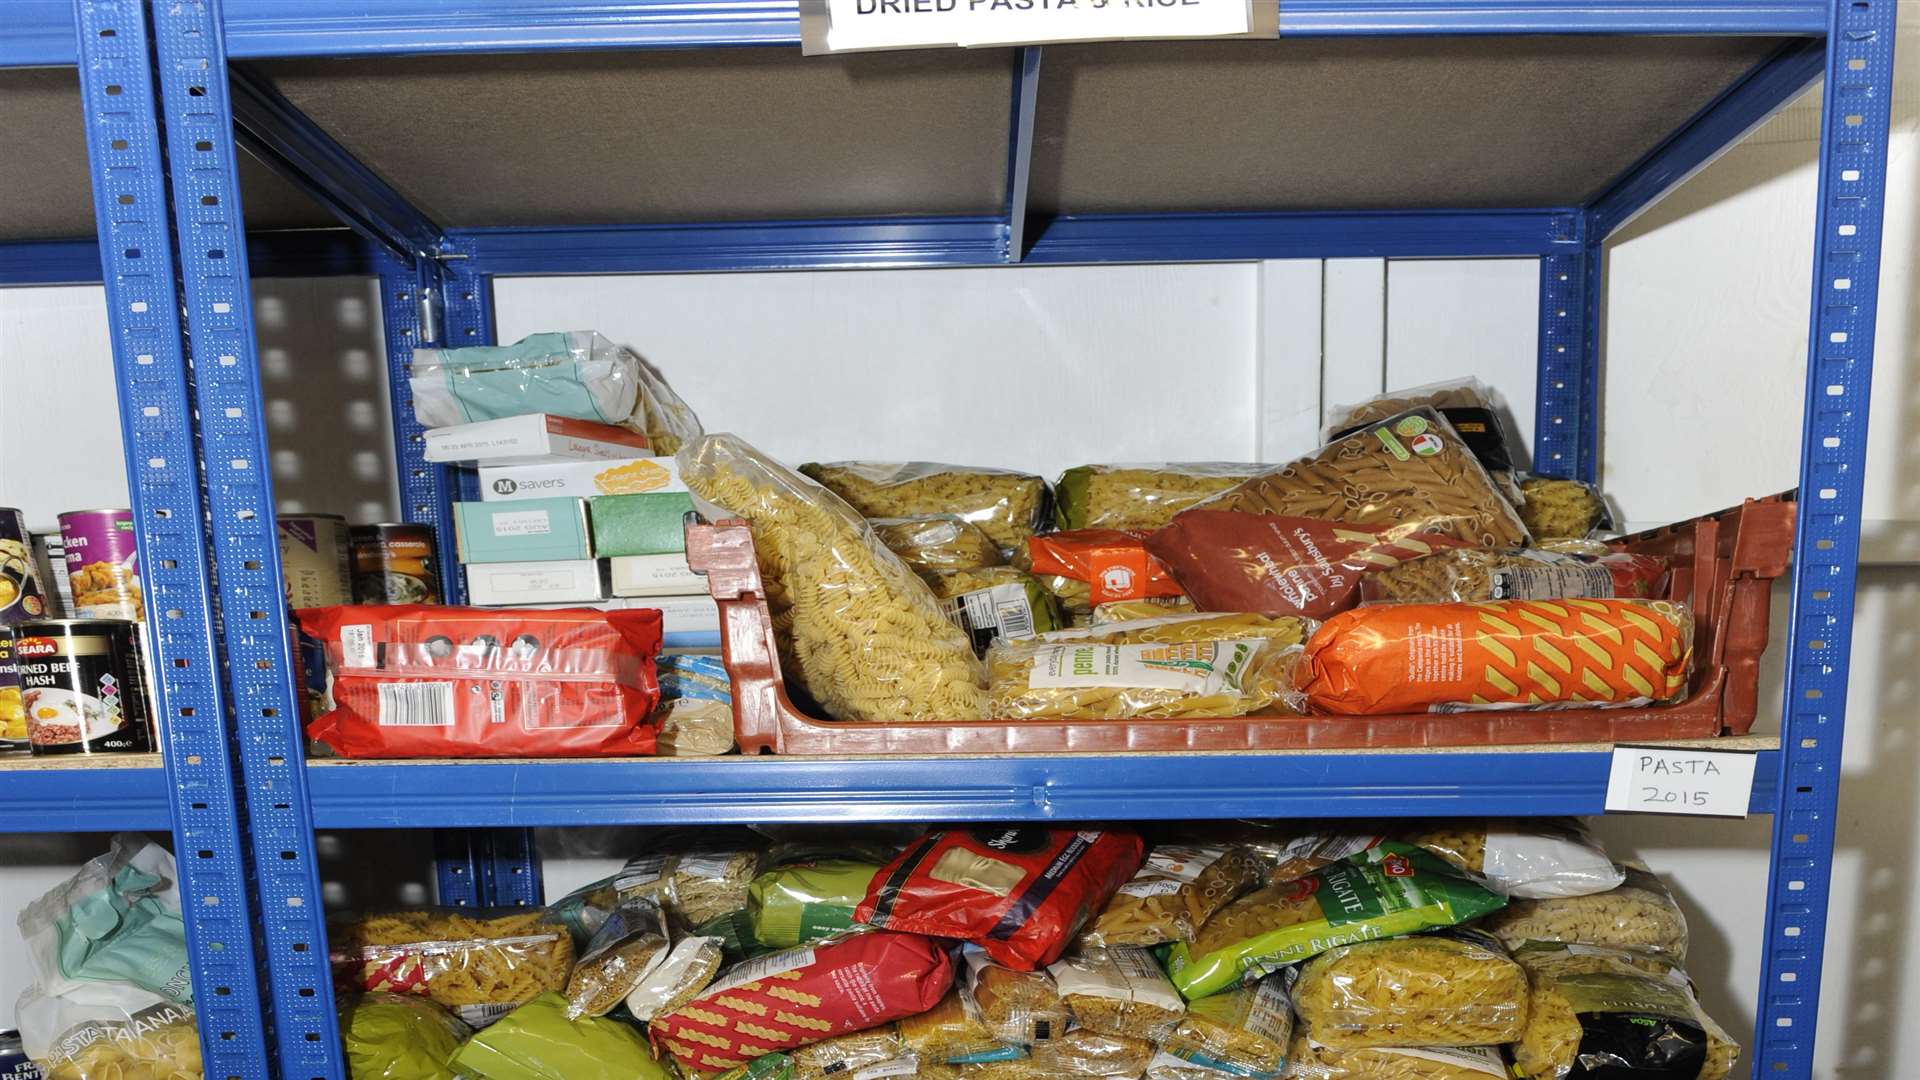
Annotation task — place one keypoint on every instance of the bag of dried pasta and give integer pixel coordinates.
(803, 901)
(953, 1031)
(1307, 1060)
(1410, 658)
(479, 963)
(1008, 506)
(1143, 497)
(1407, 474)
(995, 603)
(1597, 1012)
(538, 1041)
(1119, 991)
(109, 1032)
(398, 1037)
(1020, 1007)
(1453, 987)
(1385, 890)
(938, 542)
(675, 977)
(632, 940)
(1243, 1032)
(1086, 1052)
(1152, 607)
(1112, 563)
(1557, 508)
(1640, 914)
(873, 1053)
(1180, 665)
(1535, 858)
(856, 629)
(1481, 574)
(693, 878)
(1470, 407)
(1173, 895)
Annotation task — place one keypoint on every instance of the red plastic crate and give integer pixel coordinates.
(1723, 565)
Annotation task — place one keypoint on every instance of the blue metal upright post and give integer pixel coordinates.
(1855, 114)
(1566, 436)
(155, 385)
(219, 308)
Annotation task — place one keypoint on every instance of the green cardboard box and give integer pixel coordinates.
(653, 523)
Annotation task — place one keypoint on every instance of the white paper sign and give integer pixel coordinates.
(894, 24)
(1676, 780)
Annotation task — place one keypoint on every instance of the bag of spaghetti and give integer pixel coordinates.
(995, 603)
(856, 629)
(479, 963)
(938, 542)
(1089, 567)
(1142, 497)
(1385, 890)
(1008, 506)
(1180, 665)
(1480, 574)
(1606, 1012)
(1411, 658)
(1450, 987)
(1308, 1060)
(1243, 1032)
(1410, 473)
(1470, 407)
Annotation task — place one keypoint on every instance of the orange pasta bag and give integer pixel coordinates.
(1402, 658)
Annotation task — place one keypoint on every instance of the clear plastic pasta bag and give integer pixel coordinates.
(1410, 473)
(952, 1031)
(675, 977)
(479, 963)
(1118, 991)
(1142, 497)
(1640, 914)
(1243, 1032)
(1534, 858)
(1606, 1012)
(1558, 509)
(845, 1057)
(1179, 665)
(995, 603)
(938, 542)
(1481, 574)
(1473, 409)
(695, 878)
(1016, 1006)
(1174, 894)
(1448, 988)
(1307, 1060)
(1008, 506)
(857, 631)
(632, 940)
(1086, 1052)
(109, 1031)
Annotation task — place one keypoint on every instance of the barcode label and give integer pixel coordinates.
(422, 704)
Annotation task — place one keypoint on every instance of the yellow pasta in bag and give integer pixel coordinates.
(1007, 506)
(1448, 988)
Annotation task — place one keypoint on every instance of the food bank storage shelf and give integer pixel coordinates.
(1559, 779)
(83, 794)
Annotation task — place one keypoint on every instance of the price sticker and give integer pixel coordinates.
(853, 25)
(1680, 780)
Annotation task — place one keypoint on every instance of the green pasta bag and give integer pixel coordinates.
(1384, 891)
(766, 1067)
(805, 901)
(398, 1037)
(537, 1042)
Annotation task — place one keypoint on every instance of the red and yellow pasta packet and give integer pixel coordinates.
(1400, 658)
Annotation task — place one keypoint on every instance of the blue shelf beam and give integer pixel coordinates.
(1856, 112)
(280, 253)
(126, 795)
(263, 28)
(165, 478)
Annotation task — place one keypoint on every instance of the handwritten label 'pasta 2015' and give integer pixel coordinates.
(893, 24)
(1677, 780)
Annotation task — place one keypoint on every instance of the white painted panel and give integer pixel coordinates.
(1354, 332)
(1288, 373)
(1038, 368)
(1452, 318)
(59, 421)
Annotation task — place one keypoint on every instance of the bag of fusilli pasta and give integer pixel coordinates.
(1470, 407)
(1481, 574)
(1609, 1012)
(1452, 987)
(1558, 508)
(1641, 914)
(1307, 1060)
(479, 963)
(856, 629)
(1407, 474)
(938, 542)
(1180, 665)
(1142, 497)
(1008, 506)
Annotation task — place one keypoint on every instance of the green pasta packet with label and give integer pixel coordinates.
(1384, 891)
(537, 1042)
(802, 902)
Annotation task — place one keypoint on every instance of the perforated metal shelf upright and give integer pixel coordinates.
(437, 285)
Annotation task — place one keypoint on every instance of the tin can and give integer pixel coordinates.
(14, 1062)
(102, 564)
(395, 564)
(81, 686)
(22, 596)
(316, 559)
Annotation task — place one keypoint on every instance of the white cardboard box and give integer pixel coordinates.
(654, 575)
(582, 479)
(532, 438)
(678, 614)
(563, 581)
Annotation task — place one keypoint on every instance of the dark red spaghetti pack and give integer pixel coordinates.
(1020, 893)
(417, 680)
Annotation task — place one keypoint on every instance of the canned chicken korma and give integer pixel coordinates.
(81, 687)
(102, 564)
(315, 559)
(395, 564)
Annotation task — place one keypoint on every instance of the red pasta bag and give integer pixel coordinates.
(804, 995)
(419, 680)
(1113, 562)
(1228, 560)
(1018, 892)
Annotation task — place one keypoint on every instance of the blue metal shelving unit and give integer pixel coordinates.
(166, 110)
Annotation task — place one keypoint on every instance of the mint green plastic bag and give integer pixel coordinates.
(116, 921)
